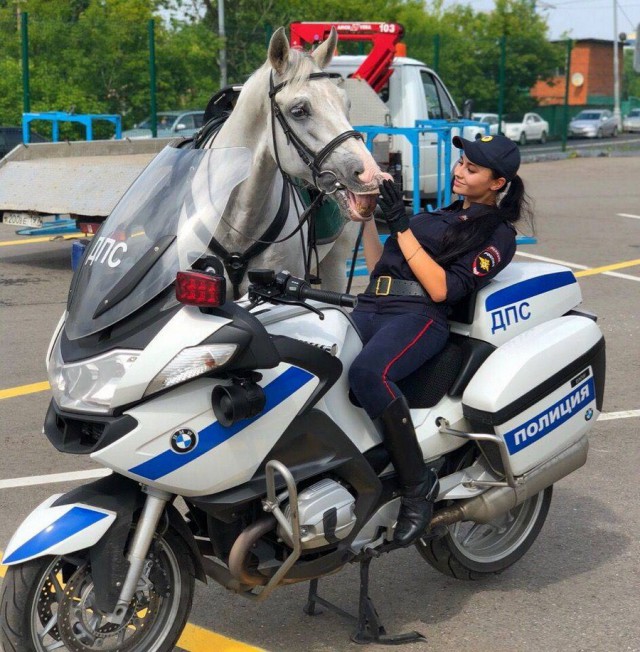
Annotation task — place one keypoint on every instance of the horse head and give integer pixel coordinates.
(311, 135)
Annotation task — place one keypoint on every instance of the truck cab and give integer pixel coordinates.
(412, 92)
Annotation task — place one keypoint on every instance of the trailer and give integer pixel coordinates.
(54, 188)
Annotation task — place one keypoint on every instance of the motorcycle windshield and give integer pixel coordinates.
(162, 224)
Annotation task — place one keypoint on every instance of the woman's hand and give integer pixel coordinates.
(392, 206)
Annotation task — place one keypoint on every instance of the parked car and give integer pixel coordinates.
(12, 136)
(631, 121)
(170, 124)
(593, 124)
(525, 127)
(488, 118)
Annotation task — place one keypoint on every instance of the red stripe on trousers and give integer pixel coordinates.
(406, 348)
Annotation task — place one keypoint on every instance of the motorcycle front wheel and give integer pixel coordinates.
(470, 550)
(49, 604)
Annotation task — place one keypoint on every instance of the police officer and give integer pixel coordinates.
(429, 262)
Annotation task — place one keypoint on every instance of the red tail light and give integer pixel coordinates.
(202, 290)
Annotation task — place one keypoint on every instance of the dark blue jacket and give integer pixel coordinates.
(464, 275)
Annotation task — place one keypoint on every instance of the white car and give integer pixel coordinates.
(524, 128)
(488, 118)
(631, 121)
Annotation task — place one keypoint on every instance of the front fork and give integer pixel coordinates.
(152, 511)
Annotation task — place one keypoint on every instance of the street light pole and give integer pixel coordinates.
(223, 45)
(616, 68)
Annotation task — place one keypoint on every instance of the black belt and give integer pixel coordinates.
(385, 285)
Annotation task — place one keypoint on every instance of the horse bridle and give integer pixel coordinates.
(236, 263)
(312, 160)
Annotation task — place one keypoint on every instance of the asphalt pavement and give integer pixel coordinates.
(578, 587)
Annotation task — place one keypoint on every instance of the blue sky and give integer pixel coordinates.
(580, 18)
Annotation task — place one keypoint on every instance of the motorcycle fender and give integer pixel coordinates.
(57, 530)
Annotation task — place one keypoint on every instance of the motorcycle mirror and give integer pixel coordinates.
(200, 289)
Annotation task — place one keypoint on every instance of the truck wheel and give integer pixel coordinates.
(48, 604)
(523, 138)
(470, 550)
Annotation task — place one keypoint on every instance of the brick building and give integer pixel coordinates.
(591, 76)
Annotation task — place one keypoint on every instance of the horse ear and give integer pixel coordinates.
(279, 50)
(324, 53)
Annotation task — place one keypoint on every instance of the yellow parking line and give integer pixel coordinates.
(608, 268)
(198, 639)
(24, 389)
(42, 238)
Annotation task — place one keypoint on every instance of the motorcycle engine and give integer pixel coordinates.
(327, 514)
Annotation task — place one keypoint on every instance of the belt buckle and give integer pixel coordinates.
(383, 292)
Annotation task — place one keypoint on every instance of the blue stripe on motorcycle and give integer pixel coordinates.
(74, 521)
(529, 288)
(277, 391)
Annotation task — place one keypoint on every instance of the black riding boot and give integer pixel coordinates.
(419, 484)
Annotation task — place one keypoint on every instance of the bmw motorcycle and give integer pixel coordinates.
(242, 411)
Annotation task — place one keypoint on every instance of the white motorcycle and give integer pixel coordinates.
(243, 411)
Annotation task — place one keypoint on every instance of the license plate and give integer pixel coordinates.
(22, 219)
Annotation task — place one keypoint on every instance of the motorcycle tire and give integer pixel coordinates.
(60, 588)
(471, 551)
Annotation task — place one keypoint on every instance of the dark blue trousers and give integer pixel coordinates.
(395, 345)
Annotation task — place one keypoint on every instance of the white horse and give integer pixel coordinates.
(287, 114)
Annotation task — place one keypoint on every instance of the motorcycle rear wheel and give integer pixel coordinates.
(471, 551)
(47, 604)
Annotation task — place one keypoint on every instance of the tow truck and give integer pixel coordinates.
(401, 104)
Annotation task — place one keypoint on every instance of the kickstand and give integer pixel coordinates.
(369, 629)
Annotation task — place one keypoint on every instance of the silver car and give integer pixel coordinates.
(593, 123)
(631, 121)
(170, 124)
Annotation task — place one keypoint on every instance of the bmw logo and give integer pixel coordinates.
(184, 440)
(588, 414)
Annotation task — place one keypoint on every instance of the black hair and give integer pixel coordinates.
(467, 235)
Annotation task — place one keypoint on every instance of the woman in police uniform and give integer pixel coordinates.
(429, 262)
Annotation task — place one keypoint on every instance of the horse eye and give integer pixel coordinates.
(298, 111)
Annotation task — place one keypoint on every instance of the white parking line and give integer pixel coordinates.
(28, 481)
(544, 259)
(635, 217)
(626, 414)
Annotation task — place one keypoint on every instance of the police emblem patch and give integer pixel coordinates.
(485, 261)
(184, 440)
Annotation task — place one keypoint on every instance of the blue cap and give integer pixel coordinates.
(497, 153)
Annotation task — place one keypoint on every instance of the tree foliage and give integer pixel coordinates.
(92, 56)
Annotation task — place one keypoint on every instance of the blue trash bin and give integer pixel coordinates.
(77, 252)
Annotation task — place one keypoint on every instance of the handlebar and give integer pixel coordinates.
(268, 285)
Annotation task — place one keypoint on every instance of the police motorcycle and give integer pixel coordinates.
(242, 411)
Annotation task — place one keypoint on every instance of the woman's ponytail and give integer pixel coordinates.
(463, 237)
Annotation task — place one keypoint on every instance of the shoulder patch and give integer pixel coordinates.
(485, 261)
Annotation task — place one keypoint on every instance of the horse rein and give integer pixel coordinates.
(236, 263)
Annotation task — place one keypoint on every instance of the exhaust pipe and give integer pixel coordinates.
(496, 501)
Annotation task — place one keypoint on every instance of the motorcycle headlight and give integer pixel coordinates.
(190, 363)
(88, 385)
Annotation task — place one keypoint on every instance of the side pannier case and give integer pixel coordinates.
(541, 391)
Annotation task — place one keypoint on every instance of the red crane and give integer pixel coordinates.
(376, 68)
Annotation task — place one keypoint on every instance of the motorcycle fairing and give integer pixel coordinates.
(222, 457)
(162, 224)
(57, 530)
